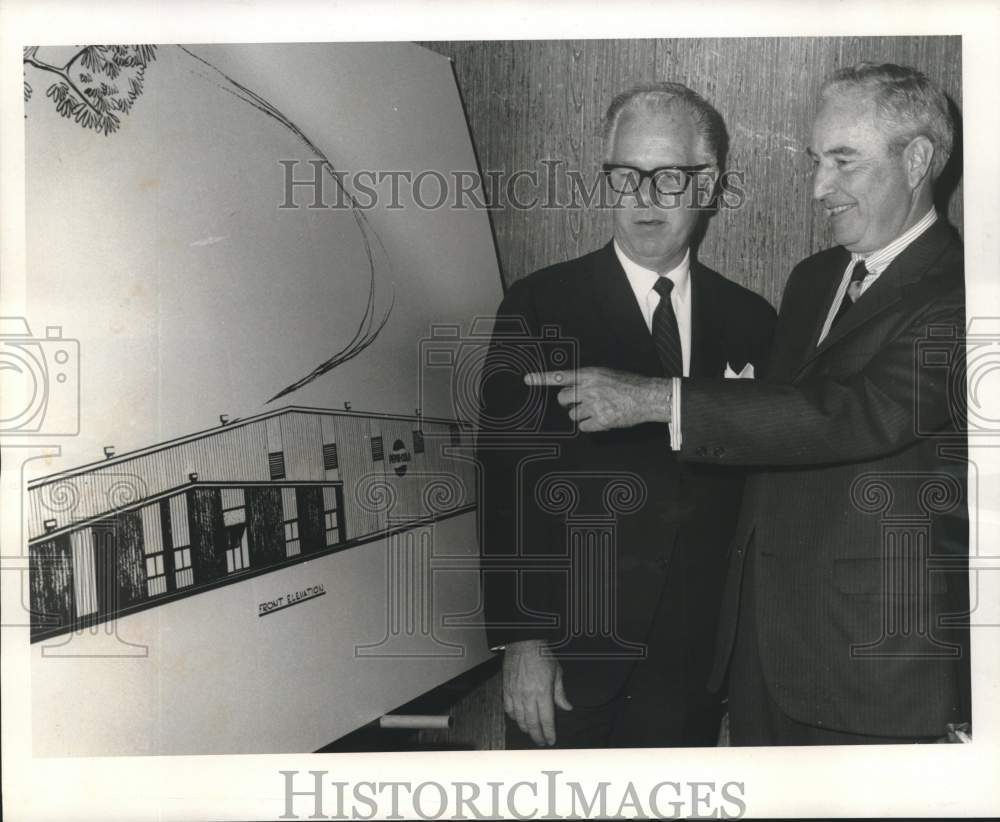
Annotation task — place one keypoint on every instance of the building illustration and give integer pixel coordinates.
(221, 506)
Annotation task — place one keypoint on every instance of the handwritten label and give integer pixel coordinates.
(269, 606)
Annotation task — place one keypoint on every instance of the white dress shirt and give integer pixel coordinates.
(642, 281)
(876, 262)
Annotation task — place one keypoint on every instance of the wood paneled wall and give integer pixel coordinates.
(529, 101)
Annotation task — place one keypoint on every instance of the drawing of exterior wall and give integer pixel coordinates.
(225, 505)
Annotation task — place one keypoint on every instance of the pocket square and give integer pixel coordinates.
(745, 374)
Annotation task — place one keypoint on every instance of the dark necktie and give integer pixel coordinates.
(666, 337)
(858, 274)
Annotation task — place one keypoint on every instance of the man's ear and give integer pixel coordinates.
(917, 158)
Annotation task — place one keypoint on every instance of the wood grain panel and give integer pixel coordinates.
(531, 102)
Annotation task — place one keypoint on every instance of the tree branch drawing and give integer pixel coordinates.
(367, 330)
(97, 85)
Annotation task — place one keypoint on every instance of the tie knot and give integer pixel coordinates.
(859, 272)
(663, 286)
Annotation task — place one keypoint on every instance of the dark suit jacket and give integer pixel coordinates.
(547, 486)
(863, 440)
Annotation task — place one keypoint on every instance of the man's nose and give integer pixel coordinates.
(644, 195)
(822, 182)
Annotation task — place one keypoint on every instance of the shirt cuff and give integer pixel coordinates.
(675, 414)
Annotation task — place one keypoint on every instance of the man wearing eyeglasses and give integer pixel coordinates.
(845, 617)
(603, 556)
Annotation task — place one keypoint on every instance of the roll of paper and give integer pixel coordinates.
(415, 721)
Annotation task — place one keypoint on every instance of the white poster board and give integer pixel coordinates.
(188, 279)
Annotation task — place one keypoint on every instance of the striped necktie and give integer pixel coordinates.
(666, 337)
(858, 274)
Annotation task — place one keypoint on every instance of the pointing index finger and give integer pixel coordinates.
(559, 378)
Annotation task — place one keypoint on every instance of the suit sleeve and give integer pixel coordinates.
(887, 404)
(518, 595)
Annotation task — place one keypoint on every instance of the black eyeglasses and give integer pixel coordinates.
(667, 180)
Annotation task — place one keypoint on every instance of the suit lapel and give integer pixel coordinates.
(831, 280)
(887, 290)
(708, 356)
(879, 296)
(799, 325)
(616, 311)
(619, 312)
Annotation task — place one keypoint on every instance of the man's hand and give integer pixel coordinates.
(532, 686)
(601, 398)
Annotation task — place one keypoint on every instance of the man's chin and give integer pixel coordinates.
(846, 238)
(654, 256)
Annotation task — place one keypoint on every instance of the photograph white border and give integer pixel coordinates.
(909, 781)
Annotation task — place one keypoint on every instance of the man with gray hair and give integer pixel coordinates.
(603, 555)
(845, 613)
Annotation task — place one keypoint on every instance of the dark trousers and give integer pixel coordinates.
(664, 702)
(641, 716)
(754, 717)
